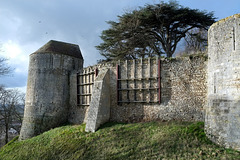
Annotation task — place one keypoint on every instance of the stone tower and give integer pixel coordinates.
(47, 97)
(222, 120)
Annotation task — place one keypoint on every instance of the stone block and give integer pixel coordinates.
(99, 109)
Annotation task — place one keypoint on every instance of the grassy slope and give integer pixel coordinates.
(153, 140)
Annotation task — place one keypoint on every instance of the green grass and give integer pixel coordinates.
(152, 140)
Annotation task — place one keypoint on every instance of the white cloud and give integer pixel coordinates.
(10, 24)
(16, 57)
(27, 25)
(11, 50)
(18, 61)
(21, 89)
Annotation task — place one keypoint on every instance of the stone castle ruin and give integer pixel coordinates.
(222, 120)
(193, 88)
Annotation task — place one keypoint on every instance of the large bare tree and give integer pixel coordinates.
(11, 104)
(196, 41)
(4, 68)
(11, 109)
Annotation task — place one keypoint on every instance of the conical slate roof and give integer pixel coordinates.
(58, 47)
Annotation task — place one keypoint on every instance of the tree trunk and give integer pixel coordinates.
(6, 133)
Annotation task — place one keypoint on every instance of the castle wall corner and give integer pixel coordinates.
(222, 123)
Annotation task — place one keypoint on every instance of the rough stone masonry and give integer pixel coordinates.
(188, 89)
(47, 98)
(182, 90)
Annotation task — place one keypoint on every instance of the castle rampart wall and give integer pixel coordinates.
(183, 90)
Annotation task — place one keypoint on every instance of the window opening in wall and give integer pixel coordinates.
(234, 39)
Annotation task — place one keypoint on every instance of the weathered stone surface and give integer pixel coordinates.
(57, 47)
(77, 114)
(183, 90)
(186, 89)
(222, 122)
(47, 98)
(99, 109)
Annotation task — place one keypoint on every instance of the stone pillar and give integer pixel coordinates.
(99, 110)
(47, 97)
(222, 120)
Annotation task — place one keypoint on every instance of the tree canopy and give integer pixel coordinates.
(151, 30)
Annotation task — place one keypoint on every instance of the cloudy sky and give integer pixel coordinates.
(26, 25)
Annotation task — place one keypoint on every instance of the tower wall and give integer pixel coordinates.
(47, 97)
(222, 122)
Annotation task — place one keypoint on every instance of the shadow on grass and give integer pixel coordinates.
(110, 124)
